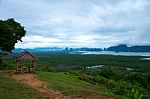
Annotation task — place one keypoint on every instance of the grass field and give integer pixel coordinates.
(70, 84)
(12, 89)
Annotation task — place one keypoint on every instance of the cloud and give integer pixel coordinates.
(34, 41)
(76, 23)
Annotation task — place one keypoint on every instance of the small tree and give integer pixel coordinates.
(10, 33)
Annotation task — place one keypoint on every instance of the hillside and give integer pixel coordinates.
(44, 85)
(80, 75)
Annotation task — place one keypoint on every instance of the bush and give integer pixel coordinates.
(123, 88)
(120, 82)
(108, 72)
(135, 94)
(110, 84)
(99, 79)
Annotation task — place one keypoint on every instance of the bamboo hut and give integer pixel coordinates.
(25, 56)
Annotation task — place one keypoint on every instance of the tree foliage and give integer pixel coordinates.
(10, 33)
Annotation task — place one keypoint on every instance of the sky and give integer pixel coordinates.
(80, 23)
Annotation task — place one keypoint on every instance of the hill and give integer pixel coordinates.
(125, 48)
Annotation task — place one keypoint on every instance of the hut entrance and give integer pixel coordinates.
(25, 63)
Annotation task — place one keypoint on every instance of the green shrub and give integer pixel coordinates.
(110, 84)
(108, 72)
(123, 88)
(99, 79)
(136, 94)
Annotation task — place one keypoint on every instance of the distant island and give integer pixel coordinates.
(118, 48)
(125, 48)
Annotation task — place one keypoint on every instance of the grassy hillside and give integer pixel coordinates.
(70, 84)
(68, 73)
(12, 89)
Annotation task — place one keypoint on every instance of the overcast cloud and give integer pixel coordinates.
(80, 23)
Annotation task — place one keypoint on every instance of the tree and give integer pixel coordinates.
(10, 33)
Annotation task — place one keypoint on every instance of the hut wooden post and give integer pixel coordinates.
(32, 69)
(18, 68)
(32, 64)
(17, 65)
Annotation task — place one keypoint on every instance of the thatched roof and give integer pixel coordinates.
(25, 56)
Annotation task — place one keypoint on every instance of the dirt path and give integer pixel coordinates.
(42, 89)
